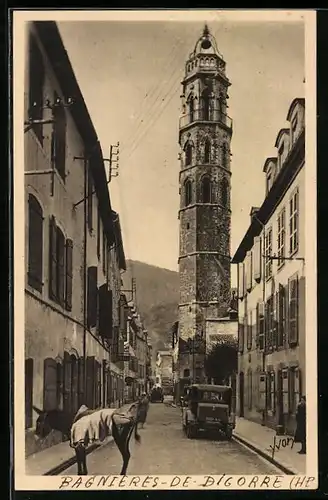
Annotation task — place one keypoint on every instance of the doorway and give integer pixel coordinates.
(241, 394)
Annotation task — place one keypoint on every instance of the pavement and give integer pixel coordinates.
(55, 459)
(279, 450)
(165, 450)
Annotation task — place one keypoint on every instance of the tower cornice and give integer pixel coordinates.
(213, 205)
(205, 165)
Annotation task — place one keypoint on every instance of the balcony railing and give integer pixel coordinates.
(205, 115)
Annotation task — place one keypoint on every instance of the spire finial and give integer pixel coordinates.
(206, 31)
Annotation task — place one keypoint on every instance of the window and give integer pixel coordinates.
(281, 156)
(206, 105)
(187, 192)
(294, 389)
(293, 128)
(98, 231)
(207, 151)
(90, 202)
(224, 192)
(269, 323)
(50, 385)
(249, 389)
(241, 337)
(257, 259)
(224, 156)
(293, 223)
(249, 331)
(61, 267)
(206, 190)
(36, 84)
(104, 252)
(293, 310)
(281, 310)
(267, 253)
(35, 243)
(188, 153)
(271, 391)
(269, 182)
(59, 137)
(191, 110)
(281, 238)
(28, 393)
(260, 320)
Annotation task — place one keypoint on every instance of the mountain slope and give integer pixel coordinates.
(157, 299)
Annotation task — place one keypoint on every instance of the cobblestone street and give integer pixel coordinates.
(164, 449)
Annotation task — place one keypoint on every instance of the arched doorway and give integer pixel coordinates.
(241, 394)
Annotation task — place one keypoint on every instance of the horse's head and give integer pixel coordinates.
(43, 425)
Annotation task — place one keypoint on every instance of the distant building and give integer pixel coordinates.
(205, 132)
(74, 250)
(164, 373)
(271, 287)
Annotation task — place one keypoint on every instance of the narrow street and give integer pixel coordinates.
(164, 449)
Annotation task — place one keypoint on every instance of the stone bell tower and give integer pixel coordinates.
(205, 133)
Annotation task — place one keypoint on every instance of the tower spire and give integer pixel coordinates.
(206, 31)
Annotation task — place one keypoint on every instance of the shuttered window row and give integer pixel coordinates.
(60, 267)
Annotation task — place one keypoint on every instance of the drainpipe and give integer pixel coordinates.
(85, 298)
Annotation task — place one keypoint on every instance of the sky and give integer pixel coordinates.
(130, 76)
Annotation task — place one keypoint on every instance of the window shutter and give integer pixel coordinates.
(257, 259)
(28, 392)
(241, 337)
(61, 267)
(53, 259)
(241, 280)
(105, 312)
(60, 384)
(91, 369)
(69, 275)
(92, 296)
(35, 244)
(293, 311)
(249, 271)
(275, 305)
(50, 384)
(67, 382)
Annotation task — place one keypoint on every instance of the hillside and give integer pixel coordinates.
(157, 299)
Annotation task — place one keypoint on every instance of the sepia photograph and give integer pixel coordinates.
(165, 249)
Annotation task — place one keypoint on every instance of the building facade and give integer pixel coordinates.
(73, 246)
(271, 287)
(205, 133)
(164, 373)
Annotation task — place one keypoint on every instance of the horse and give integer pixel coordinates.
(91, 425)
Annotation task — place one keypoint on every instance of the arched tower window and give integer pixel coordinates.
(188, 153)
(224, 192)
(225, 156)
(206, 192)
(207, 153)
(206, 104)
(191, 109)
(187, 192)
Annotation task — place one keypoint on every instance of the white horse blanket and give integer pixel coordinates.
(97, 425)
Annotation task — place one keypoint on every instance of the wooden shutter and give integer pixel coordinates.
(35, 243)
(249, 271)
(241, 337)
(293, 310)
(257, 259)
(67, 382)
(50, 384)
(90, 397)
(105, 312)
(53, 259)
(69, 275)
(28, 393)
(262, 391)
(60, 385)
(241, 280)
(92, 296)
(61, 267)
